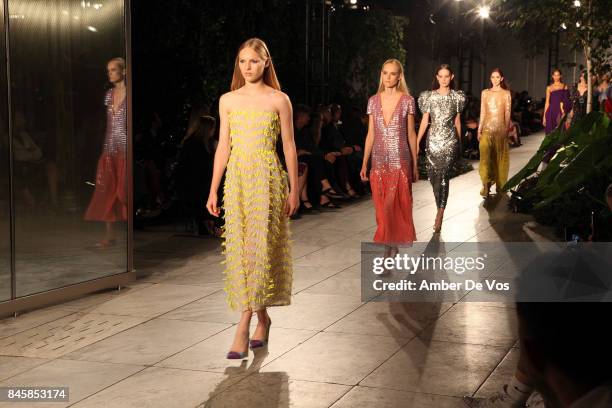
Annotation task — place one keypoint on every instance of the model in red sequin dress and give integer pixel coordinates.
(393, 170)
(109, 201)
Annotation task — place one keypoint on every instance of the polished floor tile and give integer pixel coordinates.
(367, 397)
(149, 342)
(154, 300)
(338, 358)
(157, 387)
(437, 367)
(209, 355)
(476, 324)
(276, 389)
(83, 378)
(10, 366)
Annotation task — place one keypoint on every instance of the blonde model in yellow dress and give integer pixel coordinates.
(493, 134)
(259, 195)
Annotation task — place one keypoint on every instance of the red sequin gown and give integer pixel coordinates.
(391, 173)
(109, 201)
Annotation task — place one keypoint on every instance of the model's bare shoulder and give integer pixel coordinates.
(281, 100)
(226, 101)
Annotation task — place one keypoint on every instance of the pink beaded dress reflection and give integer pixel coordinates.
(391, 173)
(109, 201)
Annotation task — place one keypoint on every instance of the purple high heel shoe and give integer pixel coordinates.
(253, 344)
(237, 355)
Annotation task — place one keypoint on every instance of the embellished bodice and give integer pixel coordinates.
(253, 136)
(495, 110)
(442, 109)
(391, 149)
(115, 140)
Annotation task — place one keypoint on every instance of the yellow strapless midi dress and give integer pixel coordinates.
(257, 247)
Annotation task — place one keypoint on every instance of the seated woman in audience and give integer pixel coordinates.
(318, 184)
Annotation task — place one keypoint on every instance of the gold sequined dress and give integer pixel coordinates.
(258, 271)
(494, 119)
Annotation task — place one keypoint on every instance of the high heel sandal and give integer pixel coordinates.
(332, 194)
(305, 209)
(485, 191)
(253, 344)
(237, 355)
(330, 205)
(354, 195)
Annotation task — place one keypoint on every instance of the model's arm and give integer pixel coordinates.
(412, 142)
(483, 106)
(507, 110)
(546, 105)
(369, 142)
(422, 129)
(285, 112)
(221, 157)
(458, 125)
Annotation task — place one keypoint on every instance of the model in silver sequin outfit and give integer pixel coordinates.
(442, 141)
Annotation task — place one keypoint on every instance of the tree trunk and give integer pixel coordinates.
(587, 54)
(589, 62)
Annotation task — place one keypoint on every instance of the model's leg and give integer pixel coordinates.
(263, 323)
(485, 164)
(241, 338)
(110, 231)
(503, 163)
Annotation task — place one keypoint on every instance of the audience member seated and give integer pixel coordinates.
(347, 163)
(194, 174)
(318, 186)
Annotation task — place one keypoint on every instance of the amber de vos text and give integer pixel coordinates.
(412, 264)
(424, 285)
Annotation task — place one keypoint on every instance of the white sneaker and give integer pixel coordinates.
(498, 400)
(536, 400)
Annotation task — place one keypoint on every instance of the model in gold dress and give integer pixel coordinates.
(257, 199)
(495, 104)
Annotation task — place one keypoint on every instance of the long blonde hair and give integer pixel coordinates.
(401, 85)
(269, 75)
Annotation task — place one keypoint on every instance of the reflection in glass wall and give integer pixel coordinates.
(69, 141)
(5, 208)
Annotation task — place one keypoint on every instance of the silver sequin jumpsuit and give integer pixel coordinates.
(442, 141)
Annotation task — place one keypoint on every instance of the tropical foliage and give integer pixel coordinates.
(572, 186)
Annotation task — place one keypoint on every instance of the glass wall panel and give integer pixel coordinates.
(5, 198)
(69, 138)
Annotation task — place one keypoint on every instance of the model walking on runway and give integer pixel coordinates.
(443, 105)
(109, 200)
(257, 201)
(495, 104)
(557, 104)
(391, 141)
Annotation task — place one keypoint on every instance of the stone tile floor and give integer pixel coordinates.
(161, 342)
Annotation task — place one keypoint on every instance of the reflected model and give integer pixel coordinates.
(495, 104)
(109, 201)
(391, 141)
(257, 201)
(557, 104)
(443, 105)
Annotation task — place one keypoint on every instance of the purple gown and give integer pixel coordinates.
(553, 114)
